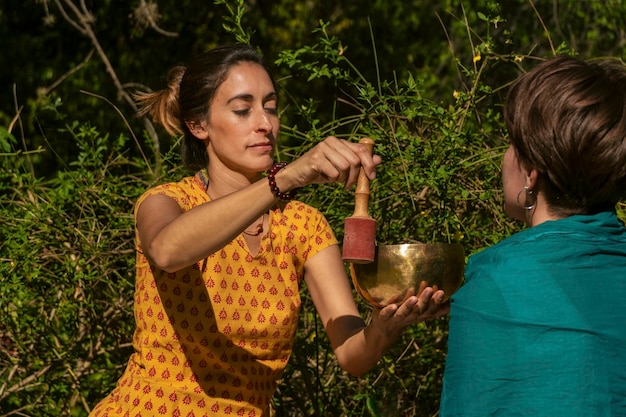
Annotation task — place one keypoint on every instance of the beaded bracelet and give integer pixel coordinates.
(271, 176)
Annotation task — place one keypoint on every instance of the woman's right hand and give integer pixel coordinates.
(332, 160)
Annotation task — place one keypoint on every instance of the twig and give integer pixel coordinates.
(127, 125)
(26, 381)
(62, 78)
(543, 25)
(18, 119)
(83, 24)
(149, 12)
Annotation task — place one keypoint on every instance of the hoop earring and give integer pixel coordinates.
(530, 195)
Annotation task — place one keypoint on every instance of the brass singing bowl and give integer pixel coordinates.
(398, 269)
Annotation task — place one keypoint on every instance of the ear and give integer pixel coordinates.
(532, 177)
(198, 129)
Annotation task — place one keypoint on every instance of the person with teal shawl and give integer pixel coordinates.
(539, 327)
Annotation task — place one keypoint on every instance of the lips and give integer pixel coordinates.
(265, 146)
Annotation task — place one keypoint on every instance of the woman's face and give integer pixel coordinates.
(243, 121)
(513, 182)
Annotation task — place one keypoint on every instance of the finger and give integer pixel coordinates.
(387, 312)
(428, 305)
(410, 307)
(345, 160)
(338, 161)
(424, 298)
(360, 157)
(320, 166)
(444, 309)
(435, 303)
(429, 302)
(423, 285)
(368, 160)
(351, 151)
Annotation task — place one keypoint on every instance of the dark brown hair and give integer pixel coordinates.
(189, 94)
(567, 119)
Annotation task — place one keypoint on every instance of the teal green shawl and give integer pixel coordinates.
(539, 327)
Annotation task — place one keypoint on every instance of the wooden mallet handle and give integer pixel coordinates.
(362, 192)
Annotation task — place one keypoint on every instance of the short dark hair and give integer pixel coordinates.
(567, 119)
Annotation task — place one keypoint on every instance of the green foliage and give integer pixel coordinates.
(233, 21)
(6, 140)
(67, 276)
(428, 92)
(67, 281)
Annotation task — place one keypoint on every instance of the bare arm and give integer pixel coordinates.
(359, 347)
(173, 239)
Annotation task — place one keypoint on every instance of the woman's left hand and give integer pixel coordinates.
(394, 318)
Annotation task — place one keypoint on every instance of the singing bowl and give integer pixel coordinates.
(398, 269)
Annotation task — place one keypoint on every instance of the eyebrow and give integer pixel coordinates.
(250, 97)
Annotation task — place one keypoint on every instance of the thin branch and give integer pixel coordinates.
(543, 25)
(83, 24)
(127, 125)
(26, 381)
(148, 12)
(62, 78)
(69, 19)
(18, 119)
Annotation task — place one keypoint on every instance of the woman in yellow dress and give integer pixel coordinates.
(221, 255)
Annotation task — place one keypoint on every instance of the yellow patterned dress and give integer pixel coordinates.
(213, 339)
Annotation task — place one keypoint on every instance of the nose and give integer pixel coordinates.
(264, 122)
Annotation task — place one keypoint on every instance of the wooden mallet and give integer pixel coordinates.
(359, 239)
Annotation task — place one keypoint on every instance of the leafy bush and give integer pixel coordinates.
(67, 251)
(67, 273)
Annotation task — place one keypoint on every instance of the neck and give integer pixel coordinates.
(540, 213)
(224, 182)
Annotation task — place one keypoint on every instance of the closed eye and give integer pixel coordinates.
(242, 112)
